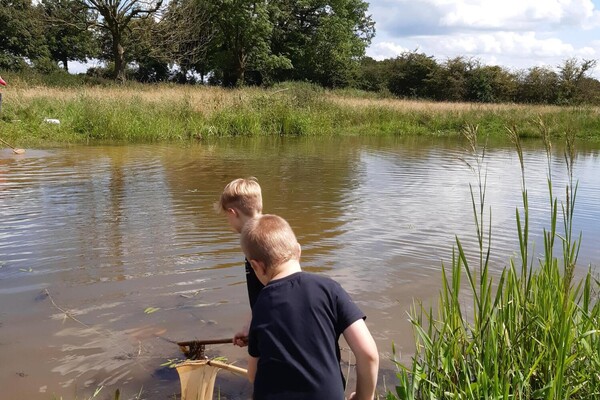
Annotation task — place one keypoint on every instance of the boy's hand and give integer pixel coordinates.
(241, 339)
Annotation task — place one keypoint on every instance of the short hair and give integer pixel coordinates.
(270, 239)
(243, 194)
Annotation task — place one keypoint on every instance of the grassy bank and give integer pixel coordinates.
(531, 333)
(152, 113)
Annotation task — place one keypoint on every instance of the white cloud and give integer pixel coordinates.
(519, 45)
(506, 43)
(383, 50)
(509, 33)
(419, 16)
(516, 14)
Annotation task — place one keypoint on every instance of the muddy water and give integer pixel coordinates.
(107, 253)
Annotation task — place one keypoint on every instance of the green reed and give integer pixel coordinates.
(534, 333)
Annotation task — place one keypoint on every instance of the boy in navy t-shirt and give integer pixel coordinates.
(297, 321)
(241, 201)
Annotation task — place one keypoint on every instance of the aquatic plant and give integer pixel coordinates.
(531, 334)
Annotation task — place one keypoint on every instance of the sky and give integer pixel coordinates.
(515, 34)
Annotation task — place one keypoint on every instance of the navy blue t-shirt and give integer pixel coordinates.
(253, 283)
(296, 324)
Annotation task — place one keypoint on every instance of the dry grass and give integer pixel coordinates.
(402, 105)
(202, 99)
(206, 100)
(137, 112)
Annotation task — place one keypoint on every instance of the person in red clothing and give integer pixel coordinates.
(2, 82)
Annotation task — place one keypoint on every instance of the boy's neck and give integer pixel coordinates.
(285, 269)
(245, 218)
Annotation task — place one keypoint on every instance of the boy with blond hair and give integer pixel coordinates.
(297, 321)
(241, 201)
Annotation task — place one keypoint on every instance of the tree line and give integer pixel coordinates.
(417, 75)
(243, 42)
(227, 42)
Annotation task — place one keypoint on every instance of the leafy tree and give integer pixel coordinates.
(450, 80)
(21, 34)
(68, 32)
(412, 75)
(489, 84)
(570, 76)
(589, 91)
(186, 33)
(116, 17)
(538, 85)
(323, 40)
(151, 64)
(372, 75)
(243, 39)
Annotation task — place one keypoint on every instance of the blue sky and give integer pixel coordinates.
(517, 34)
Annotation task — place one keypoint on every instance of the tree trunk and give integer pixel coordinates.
(119, 57)
(65, 64)
(240, 73)
(240, 68)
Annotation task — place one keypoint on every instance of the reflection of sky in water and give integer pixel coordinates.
(406, 210)
(110, 231)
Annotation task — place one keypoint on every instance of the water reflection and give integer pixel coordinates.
(112, 231)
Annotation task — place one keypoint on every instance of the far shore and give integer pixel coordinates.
(136, 113)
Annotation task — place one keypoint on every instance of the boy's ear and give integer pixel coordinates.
(259, 267)
(232, 211)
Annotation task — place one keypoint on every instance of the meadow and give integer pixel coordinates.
(137, 113)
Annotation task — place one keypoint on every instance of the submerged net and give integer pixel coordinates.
(198, 377)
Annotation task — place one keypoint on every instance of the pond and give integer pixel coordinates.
(110, 253)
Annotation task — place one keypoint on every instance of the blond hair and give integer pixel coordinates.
(270, 239)
(243, 194)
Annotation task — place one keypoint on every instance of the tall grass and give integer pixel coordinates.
(166, 112)
(534, 333)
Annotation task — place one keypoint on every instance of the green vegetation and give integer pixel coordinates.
(232, 42)
(531, 334)
(93, 113)
(419, 76)
(248, 43)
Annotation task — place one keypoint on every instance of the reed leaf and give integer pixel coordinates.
(533, 334)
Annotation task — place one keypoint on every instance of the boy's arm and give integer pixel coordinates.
(252, 364)
(364, 348)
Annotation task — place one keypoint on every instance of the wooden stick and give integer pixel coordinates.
(216, 364)
(228, 367)
(203, 342)
(15, 150)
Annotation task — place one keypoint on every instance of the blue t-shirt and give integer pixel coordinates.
(296, 324)
(253, 283)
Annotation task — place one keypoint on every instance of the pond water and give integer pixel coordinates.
(94, 238)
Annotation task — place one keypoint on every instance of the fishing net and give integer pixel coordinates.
(198, 377)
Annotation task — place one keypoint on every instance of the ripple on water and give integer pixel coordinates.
(113, 231)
